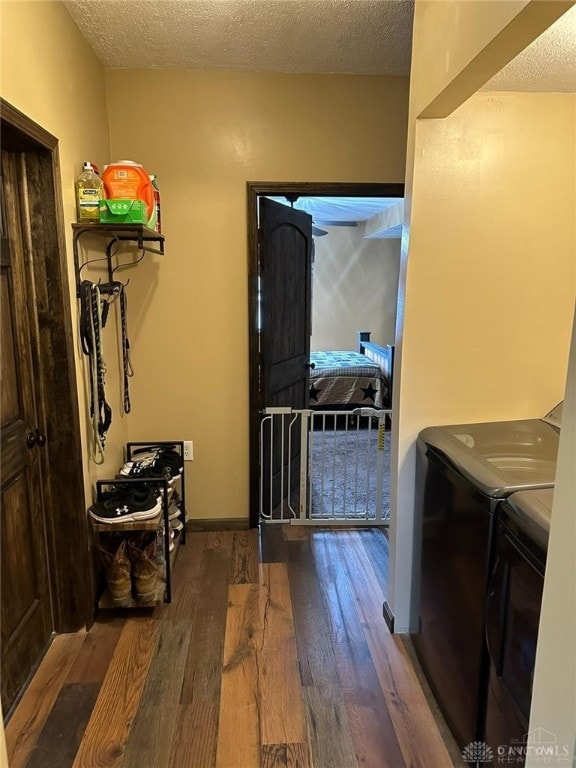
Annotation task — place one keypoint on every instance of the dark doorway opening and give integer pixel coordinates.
(255, 191)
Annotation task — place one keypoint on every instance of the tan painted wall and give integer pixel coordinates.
(206, 134)
(475, 226)
(492, 141)
(491, 269)
(491, 275)
(49, 72)
(355, 288)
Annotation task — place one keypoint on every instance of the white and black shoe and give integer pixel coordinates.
(155, 463)
(127, 506)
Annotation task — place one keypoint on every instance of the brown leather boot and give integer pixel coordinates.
(117, 568)
(142, 552)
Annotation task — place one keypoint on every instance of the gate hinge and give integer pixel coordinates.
(260, 235)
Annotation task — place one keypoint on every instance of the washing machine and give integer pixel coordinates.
(463, 473)
(513, 604)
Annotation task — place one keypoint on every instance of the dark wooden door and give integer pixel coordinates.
(26, 621)
(285, 292)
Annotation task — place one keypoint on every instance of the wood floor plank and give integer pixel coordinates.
(244, 558)
(97, 650)
(273, 756)
(109, 727)
(238, 732)
(194, 742)
(285, 756)
(186, 584)
(375, 543)
(59, 740)
(150, 740)
(282, 718)
(206, 614)
(194, 567)
(272, 544)
(219, 540)
(421, 746)
(361, 576)
(330, 738)
(30, 715)
(296, 532)
(311, 618)
(369, 720)
(338, 596)
(298, 756)
(166, 671)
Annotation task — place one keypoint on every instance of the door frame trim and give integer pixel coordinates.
(63, 480)
(255, 189)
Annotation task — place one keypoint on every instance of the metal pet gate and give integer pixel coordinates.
(324, 467)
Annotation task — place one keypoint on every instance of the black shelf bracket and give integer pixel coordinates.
(139, 234)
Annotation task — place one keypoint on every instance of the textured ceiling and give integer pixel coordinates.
(548, 64)
(315, 36)
(323, 36)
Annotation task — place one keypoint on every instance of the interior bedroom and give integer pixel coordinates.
(355, 264)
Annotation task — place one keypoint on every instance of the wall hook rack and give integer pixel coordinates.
(139, 234)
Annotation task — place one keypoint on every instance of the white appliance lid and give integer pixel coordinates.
(499, 458)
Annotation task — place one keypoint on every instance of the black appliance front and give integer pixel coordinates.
(512, 619)
(457, 526)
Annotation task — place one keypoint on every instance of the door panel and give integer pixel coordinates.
(9, 391)
(285, 273)
(26, 621)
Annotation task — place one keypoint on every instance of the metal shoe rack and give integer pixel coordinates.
(164, 590)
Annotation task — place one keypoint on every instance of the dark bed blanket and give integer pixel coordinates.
(344, 378)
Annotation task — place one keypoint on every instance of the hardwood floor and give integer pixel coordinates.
(273, 653)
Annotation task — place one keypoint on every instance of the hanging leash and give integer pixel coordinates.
(95, 301)
(125, 341)
(117, 290)
(93, 315)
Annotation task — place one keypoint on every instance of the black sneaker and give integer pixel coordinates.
(126, 507)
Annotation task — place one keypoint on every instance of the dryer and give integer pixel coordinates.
(513, 616)
(463, 472)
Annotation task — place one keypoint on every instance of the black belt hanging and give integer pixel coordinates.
(126, 361)
(93, 316)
